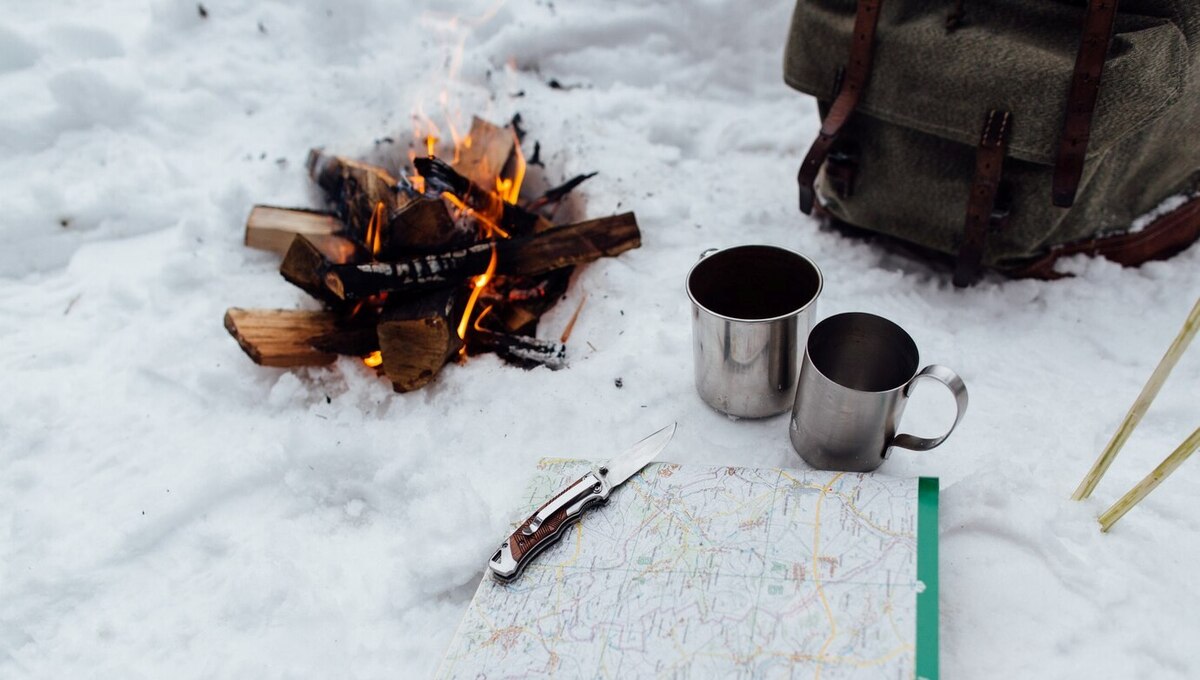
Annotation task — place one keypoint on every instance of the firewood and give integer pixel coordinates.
(521, 301)
(422, 225)
(309, 257)
(355, 189)
(556, 194)
(279, 337)
(531, 256)
(271, 228)
(519, 350)
(418, 336)
(484, 160)
(513, 219)
(287, 337)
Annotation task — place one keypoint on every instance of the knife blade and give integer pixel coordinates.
(545, 526)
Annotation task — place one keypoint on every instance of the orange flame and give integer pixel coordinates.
(373, 359)
(479, 319)
(477, 287)
(374, 235)
(430, 145)
(489, 225)
(510, 188)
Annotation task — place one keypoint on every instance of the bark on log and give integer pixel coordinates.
(513, 219)
(310, 257)
(355, 189)
(530, 256)
(418, 336)
(271, 228)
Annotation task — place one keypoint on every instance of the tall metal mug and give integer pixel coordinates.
(752, 308)
(858, 373)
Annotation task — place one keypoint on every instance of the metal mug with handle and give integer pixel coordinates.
(752, 308)
(858, 373)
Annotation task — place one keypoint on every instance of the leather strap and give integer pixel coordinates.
(1162, 238)
(1081, 100)
(989, 166)
(857, 72)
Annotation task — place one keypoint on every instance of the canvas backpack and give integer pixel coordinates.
(1005, 133)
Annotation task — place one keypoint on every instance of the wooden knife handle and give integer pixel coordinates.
(546, 525)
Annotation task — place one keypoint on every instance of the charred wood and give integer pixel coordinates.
(355, 189)
(519, 350)
(513, 219)
(310, 257)
(529, 256)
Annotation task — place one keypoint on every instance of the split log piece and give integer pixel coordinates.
(292, 337)
(279, 337)
(354, 189)
(424, 225)
(513, 219)
(309, 257)
(485, 159)
(417, 336)
(272, 228)
(529, 256)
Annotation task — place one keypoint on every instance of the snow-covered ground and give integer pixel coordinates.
(170, 510)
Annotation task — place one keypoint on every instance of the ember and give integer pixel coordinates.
(404, 265)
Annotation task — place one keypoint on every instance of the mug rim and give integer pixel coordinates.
(712, 252)
(916, 353)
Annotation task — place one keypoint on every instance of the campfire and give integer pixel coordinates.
(443, 260)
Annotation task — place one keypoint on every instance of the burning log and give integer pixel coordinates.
(530, 256)
(513, 219)
(523, 300)
(404, 263)
(491, 148)
(423, 224)
(271, 228)
(417, 337)
(309, 257)
(356, 189)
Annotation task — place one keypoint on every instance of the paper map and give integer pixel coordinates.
(718, 572)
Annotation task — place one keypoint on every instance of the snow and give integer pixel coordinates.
(169, 509)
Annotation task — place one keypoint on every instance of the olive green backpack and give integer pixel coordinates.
(1005, 133)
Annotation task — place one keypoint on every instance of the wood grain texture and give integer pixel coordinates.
(529, 256)
(485, 158)
(272, 228)
(418, 336)
(279, 337)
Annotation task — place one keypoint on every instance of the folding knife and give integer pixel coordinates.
(547, 525)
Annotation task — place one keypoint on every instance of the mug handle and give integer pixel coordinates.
(956, 386)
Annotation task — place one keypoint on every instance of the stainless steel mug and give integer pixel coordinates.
(752, 308)
(859, 371)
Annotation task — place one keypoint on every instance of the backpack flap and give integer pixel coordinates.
(1016, 55)
(916, 126)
